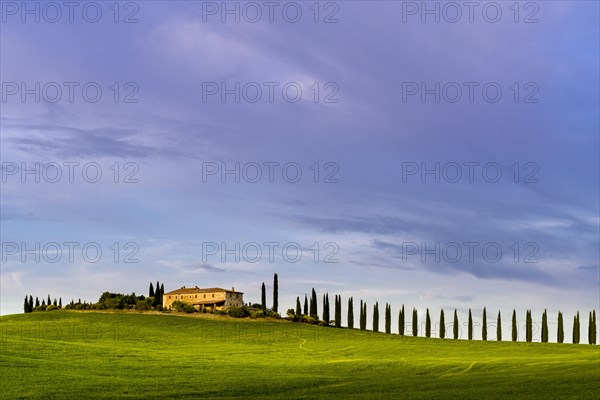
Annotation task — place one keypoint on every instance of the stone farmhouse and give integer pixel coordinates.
(215, 298)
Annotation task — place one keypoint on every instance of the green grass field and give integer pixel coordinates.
(89, 355)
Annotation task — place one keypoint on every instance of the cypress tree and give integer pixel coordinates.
(401, 321)
(151, 290)
(499, 328)
(442, 325)
(26, 305)
(388, 318)
(595, 326)
(515, 334)
(360, 319)
(326, 316)
(560, 332)
(162, 292)
(455, 325)
(427, 324)
(313, 305)
(305, 305)
(275, 293)
(528, 327)
(415, 322)
(298, 306)
(55, 303)
(590, 321)
(49, 301)
(37, 302)
(350, 313)
(60, 302)
(30, 303)
(338, 311)
(263, 297)
(484, 325)
(544, 327)
(576, 329)
(470, 328)
(43, 303)
(376, 317)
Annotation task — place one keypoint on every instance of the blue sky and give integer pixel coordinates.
(372, 132)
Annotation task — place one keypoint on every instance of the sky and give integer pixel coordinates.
(425, 154)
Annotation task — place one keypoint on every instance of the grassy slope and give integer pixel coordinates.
(102, 355)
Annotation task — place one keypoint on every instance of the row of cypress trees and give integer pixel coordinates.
(263, 295)
(29, 305)
(402, 321)
(156, 294)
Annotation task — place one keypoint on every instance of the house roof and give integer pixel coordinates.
(196, 289)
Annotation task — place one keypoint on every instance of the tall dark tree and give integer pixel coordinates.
(590, 329)
(49, 301)
(499, 328)
(528, 327)
(151, 290)
(298, 306)
(470, 327)
(60, 302)
(275, 293)
(162, 292)
(26, 305)
(560, 331)
(484, 325)
(326, 317)
(30, 303)
(376, 317)
(415, 322)
(576, 328)
(594, 327)
(515, 333)
(338, 311)
(37, 302)
(362, 319)
(427, 324)
(455, 325)
(55, 303)
(544, 327)
(350, 313)
(43, 303)
(401, 321)
(388, 318)
(313, 305)
(305, 305)
(442, 325)
(263, 297)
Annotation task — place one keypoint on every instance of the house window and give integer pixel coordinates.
(196, 296)
(213, 295)
(204, 296)
(169, 297)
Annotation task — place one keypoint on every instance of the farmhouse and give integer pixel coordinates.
(216, 298)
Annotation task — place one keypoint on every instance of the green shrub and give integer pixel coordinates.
(180, 306)
(257, 314)
(238, 312)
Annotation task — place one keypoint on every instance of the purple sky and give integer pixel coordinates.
(358, 117)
